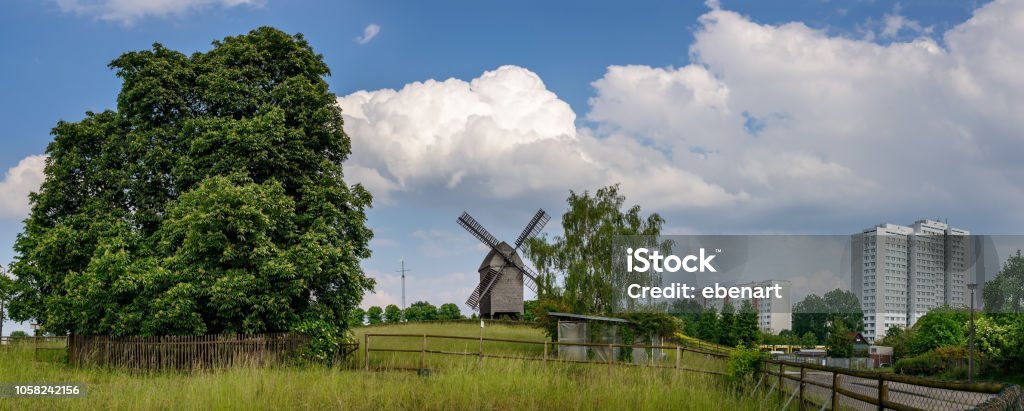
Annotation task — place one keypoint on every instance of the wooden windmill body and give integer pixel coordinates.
(499, 294)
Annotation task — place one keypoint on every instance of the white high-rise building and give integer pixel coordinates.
(774, 314)
(899, 273)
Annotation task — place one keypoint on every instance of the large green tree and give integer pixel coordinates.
(941, 327)
(814, 313)
(583, 256)
(1005, 293)
(727, 325)
(839, 342)
(708, 328)
(746, 330)
(392, 313)
(211, 200)
(449, 311)
(375, 315)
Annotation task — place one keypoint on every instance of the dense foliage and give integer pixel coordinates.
(1005, 293)
(814, 313)
(418, 311)
(210, 201)
(839, 341)
(582, 257)
(744, 363)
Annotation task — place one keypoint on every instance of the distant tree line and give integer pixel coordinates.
(418, 311)
(729, 328)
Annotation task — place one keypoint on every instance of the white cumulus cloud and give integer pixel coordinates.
(369, 33)
(797, 118)
(129, 11)
(500, 135)
(16, 185)
(768, 121)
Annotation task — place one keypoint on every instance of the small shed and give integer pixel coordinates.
(579, 328)
(881, 356)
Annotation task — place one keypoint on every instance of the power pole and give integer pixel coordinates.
(403, 270)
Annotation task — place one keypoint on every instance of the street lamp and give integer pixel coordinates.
(970, 352)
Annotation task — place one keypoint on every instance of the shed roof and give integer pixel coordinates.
(587, 317)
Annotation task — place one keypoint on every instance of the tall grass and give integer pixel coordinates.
(453, 383)
(491, 384)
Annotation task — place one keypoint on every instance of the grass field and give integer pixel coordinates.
(468, 329)
(454, 383)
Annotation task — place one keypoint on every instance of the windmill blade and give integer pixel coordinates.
(529, 276)
(530, 282)
(483, 288)
(533, 227)
(478, 231)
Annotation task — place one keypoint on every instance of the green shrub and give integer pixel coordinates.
(744, 362)
(929, 363)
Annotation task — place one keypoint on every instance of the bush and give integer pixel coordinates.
(744, 362)
(929, 363)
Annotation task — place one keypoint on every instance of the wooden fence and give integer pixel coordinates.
(812, 386)
(549, 348)
(183, 352)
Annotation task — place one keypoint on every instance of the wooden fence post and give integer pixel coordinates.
(803, 375)
(781, 371)
(545, 352)
(883, 393)
(679, 357)
(835, 390)
(610, 350)
(423, 353)
(366, 350)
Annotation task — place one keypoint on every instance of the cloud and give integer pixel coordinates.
(129, 11)
(895, 23)
(843, 125)
(369, 33)
(769, 124)
(502, 135)
(18, 182)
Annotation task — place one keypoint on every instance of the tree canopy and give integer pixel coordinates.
(211, 200)
(583, 256)
(813, 313)
(1005, 293)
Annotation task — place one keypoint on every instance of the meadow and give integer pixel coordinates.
(454, 382)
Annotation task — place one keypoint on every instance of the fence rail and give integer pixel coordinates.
(839, 388)
(31, 340)
(546, 357)
(183, 352)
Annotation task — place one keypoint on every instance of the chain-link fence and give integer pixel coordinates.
(810, 386)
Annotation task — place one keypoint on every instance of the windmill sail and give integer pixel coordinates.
(483, 288)
(470, 224)
(533, 228)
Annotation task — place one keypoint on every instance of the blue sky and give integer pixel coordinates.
(862, 111)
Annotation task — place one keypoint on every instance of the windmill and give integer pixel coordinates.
(502, 273)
